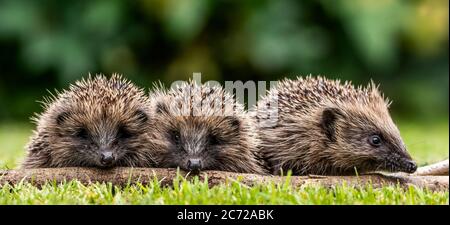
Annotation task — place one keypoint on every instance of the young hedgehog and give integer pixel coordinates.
(201, 127)
(98, 122)
(328, 128)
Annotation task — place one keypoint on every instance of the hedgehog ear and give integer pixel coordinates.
(61, 118)
(328, 122)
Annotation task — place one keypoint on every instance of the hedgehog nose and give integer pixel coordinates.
(194, 164)
(410, 166)
(107, 158)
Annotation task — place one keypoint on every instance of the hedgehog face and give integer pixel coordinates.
(98, 122)
(200, 143)
(201, 127)
(371, 139)
(105, 139)
(330, 128)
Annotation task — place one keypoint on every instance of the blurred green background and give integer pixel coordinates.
(403, 45)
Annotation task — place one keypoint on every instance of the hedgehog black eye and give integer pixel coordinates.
(82, 133)
(175, 135)
(123, 133)
(375, 140)
(214, 140)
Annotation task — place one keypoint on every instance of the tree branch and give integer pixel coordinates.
(440, 168)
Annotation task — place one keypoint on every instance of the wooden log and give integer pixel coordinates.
(436, 169)
(124, 176)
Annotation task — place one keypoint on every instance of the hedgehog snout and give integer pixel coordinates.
(401, 163)
(107, 158)
(409, 166)
(194, 164)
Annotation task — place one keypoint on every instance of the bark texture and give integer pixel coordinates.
(124, 176)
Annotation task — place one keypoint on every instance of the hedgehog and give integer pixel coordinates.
(98, 122)
(201, 127)
(315, 125)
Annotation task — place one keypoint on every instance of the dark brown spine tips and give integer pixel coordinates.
(234, 122)
(161, 108)
(141, 116)
(62, 117)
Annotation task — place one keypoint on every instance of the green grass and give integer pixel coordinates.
(198, 192)
(427, 143)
